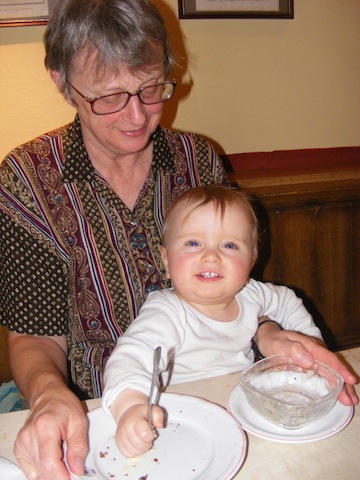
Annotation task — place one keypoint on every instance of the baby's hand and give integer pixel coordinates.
(133, 435)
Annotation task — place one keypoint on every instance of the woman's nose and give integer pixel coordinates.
(136, 110)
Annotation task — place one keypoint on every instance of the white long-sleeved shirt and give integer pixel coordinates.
(193, 345)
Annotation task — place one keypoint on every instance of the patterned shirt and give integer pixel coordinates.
(74, 260)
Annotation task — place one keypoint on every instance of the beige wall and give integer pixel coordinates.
(256, 85)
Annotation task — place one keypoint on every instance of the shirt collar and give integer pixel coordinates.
(78, 167)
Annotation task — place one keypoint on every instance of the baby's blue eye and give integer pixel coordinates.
(192, 243)
(230, 245)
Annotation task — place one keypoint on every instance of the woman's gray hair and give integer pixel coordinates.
(115, 33)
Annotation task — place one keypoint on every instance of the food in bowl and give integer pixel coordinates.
(289, 395)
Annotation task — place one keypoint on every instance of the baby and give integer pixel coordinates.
(204, 323)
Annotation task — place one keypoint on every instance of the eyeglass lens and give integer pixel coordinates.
(148, 96)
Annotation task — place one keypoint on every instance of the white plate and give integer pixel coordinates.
(327, 426)
(202, 441)
(9, 470)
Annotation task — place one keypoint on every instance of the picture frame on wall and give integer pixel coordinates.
(236, 9)
(17, 13)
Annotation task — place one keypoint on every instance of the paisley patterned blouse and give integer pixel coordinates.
(74, 259)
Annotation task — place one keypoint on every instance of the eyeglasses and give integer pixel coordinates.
(115, 102)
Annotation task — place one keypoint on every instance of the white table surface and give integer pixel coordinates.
(334, 458)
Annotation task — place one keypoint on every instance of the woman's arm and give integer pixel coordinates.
(304, 349)
(39, 368)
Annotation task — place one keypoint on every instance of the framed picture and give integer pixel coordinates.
(17, 13)
(236, 8)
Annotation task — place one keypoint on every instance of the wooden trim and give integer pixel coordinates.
(292, 162)
(295, 177)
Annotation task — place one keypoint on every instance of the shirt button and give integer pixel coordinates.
(150, 269)
(152, 288)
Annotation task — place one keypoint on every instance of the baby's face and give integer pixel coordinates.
(208, 256)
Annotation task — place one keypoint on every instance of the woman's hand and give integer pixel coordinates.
(39, 367)
(304, 350)
(56, 417)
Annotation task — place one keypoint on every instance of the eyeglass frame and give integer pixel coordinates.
(91, 101)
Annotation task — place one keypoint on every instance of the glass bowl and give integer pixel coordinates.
(289, 395)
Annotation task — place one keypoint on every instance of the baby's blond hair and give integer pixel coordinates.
(221, 197)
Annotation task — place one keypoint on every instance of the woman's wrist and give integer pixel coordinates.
(255, 339)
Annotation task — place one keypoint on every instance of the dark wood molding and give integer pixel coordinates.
(292, 162)
(297, 177)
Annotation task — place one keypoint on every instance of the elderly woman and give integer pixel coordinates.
(81, 211)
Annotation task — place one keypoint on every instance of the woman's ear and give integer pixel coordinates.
(55, 76)
(165, 262)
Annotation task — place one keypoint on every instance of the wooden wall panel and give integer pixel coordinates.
(334, 266)
(310, 232)
(315, 251)
(296, 228)
(5, 374)
(354, 295)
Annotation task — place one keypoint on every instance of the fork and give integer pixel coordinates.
(88, 472)
(154, 382)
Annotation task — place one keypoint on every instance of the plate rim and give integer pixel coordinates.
(348, 413)
(166, 398)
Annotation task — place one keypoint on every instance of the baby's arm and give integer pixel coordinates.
(133, 433)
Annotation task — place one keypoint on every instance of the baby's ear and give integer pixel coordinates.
(255, 257)
(165, 261)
